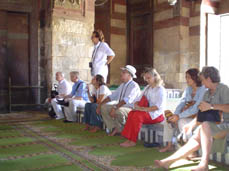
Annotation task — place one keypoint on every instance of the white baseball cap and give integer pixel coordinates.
(131, 70)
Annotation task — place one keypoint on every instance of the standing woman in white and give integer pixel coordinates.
(102, 55)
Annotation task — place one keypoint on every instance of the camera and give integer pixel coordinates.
(90, 64)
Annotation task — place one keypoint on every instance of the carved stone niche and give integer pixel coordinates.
(68, 4)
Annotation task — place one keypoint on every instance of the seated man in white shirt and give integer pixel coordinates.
(64, 88)
(115, 116)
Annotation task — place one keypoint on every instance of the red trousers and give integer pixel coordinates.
(134, 124)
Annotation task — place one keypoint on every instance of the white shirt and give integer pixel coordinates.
(99, 59)
(64, 87)
(126, 91)
(156, 97)
(102, 90)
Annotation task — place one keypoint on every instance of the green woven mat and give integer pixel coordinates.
(44, 145)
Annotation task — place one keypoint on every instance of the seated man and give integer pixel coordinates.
(209, 133)
(115, 116)
(187, 108)
(77, 98)
(63, 89)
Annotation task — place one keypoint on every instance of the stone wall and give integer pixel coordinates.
(176, 40)
(67, 39)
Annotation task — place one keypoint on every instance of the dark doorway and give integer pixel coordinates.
(18, 55)
(15, 60)
(140, 34)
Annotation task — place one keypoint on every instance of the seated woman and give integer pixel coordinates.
(208, 134)
(148, 108)
(91, 118)
(187, 108)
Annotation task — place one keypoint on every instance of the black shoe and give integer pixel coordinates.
(151, 145)
(66, 121)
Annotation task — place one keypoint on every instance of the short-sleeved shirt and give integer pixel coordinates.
(64, 87)
(99, 58)
(221, 96)
(102, 90)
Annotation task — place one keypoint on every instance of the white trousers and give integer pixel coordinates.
(70, 111)
(57, 108)
(169, 130)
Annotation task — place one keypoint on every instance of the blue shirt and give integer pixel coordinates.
(187, 97)
(81, 91)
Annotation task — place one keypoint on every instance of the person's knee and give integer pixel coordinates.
(204, 125)
(103, 108)
(87, 105)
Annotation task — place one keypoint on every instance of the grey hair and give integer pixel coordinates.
(155, 74)
(212, 73)
(75, 73)
(61, 73)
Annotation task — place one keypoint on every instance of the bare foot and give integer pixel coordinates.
(201, 167)
(115, 131)
(160, 164)
(128, 144)
(95, 129)
(166, 149)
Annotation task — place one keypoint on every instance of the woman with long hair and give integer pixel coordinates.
(102, 55)
(187, 108)
(92, 120)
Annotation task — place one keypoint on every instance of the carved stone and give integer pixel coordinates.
(68, 4)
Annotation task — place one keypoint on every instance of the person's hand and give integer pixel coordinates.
(204, 106)
(98, 109)
(187, 129)
(135, 104)
(173, 118)
(136, 107)
(112, 113)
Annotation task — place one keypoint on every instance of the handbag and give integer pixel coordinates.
(210, 115)
(143, 102)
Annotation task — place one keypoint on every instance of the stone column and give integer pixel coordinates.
(68, 46)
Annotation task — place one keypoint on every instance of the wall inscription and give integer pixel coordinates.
(68, 4)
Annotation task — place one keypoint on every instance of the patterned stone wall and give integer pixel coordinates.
(68, 46)
(71, 49)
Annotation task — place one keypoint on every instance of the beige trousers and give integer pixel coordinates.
(118, 121)
(169, 130)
